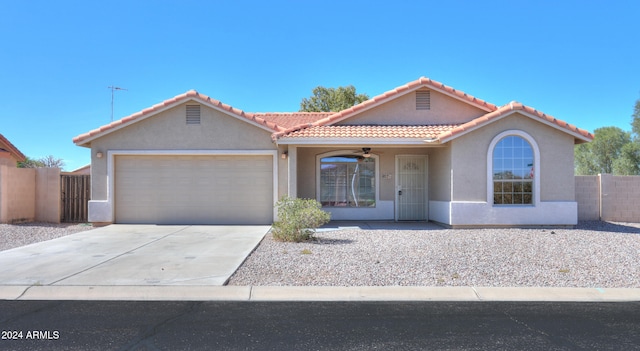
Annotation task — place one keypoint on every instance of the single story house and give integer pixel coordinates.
(422, 151)
(9, 154)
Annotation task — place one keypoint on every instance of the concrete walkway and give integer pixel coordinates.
(136, 255)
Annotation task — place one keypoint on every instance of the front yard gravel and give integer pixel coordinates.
(594, 254)
(14, 235)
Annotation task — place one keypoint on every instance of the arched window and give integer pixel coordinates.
(513, 169)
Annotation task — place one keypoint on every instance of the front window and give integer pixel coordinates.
(513, 171)
(348, 181)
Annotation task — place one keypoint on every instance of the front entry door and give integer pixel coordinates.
(411, 188)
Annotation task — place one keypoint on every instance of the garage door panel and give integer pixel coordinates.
(172, 189)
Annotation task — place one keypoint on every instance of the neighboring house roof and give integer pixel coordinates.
(86, 169)
(292, 126)
(6, 145)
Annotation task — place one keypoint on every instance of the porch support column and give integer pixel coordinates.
(293, 171)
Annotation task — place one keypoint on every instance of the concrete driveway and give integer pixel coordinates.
(133, 255)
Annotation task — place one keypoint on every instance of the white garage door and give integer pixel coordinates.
(172, 189)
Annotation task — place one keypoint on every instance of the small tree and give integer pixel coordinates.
(48, 162)
(332, 99)
(298, 219)
(599, 155)
(30, 163)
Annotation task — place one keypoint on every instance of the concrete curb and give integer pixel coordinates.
(315, 293)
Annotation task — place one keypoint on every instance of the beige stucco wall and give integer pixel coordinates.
(469, 159)
(7, 160)
(440, 174)
(168, 131)
(28, 194)
(306, 175)
(444, 110)
(17, 194)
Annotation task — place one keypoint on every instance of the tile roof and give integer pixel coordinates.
(372, 132)
(508, 109)
(292, 119)
(422, 82)
(190, 95)
(494, 112)
(5, 144)
(322, 124)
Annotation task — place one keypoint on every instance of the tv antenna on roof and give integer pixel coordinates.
(113, 88)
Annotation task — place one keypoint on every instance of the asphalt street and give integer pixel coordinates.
(195, 325)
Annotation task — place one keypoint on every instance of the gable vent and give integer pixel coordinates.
(423, 100)
(193, 114)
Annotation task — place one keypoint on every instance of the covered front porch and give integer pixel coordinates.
(370, 182)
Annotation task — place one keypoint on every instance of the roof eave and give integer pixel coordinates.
(166, 105)
(17, 154)
(468, 128)
(354, 141)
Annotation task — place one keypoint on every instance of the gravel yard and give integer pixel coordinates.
(14, 235)
(595, 254)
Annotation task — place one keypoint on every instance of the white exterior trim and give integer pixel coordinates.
(440, 211)
(468, 213)
(536, 166)
(103, 210)
(545, 213)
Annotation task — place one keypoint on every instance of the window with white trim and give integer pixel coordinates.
(513, 171)
(348, 181)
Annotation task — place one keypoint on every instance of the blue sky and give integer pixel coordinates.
(575, 60)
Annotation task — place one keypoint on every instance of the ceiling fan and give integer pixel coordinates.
(365, 152)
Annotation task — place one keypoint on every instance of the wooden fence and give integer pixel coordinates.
(75, 192)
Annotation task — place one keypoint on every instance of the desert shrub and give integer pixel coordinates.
(298, 219)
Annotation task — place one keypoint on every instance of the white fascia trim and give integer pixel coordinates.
(352, 141)
(111, 155)
(536, 165)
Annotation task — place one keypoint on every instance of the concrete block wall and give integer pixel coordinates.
(618, 198)
(588, 197)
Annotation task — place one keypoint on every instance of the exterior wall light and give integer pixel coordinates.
(99, 154)
(284, 155)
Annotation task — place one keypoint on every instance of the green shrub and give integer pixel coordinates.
(298, 219)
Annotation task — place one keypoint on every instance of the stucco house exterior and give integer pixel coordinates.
(422, 151)
(9, 154)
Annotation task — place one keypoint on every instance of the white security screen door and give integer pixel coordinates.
(411, 188)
